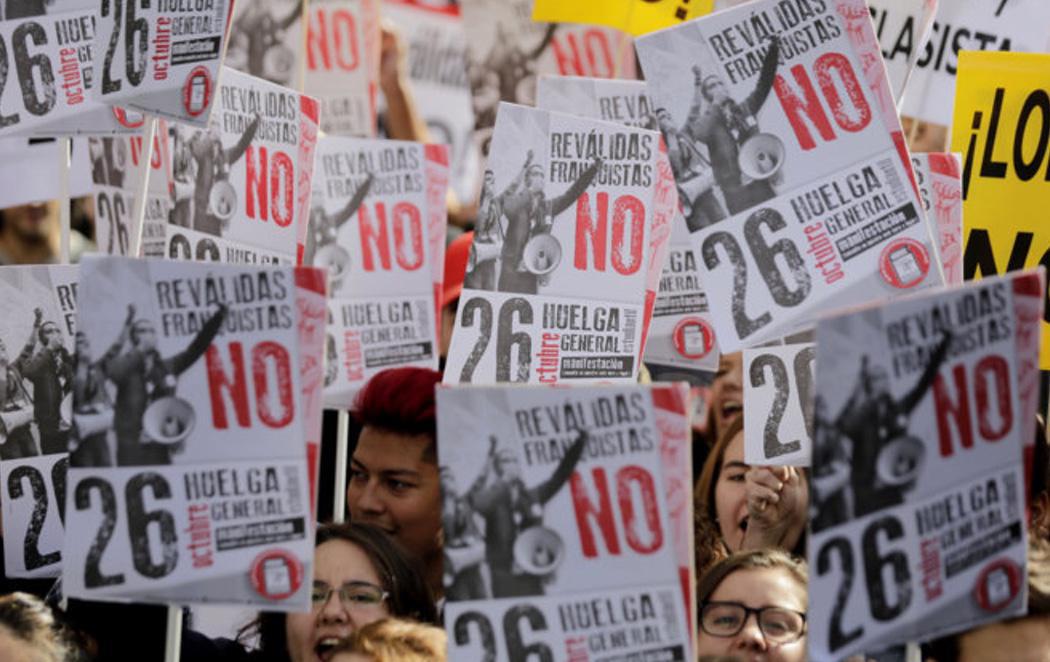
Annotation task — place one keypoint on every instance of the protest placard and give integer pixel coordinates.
(267, 39)
(999, 133)
(437, 68)
(160, 57)
(116, 167)
(1017, 25)
(680, 334)
(918, 484)
(207, 497)
(778, 404)
(508, 51)
(939, 176)
(50, 72)
(30, 171)
(789, 156)
(370, 227)
(903, 28)
(557, 285)
(342, 64)
(242, 185)
(540, 557)
(39, 375)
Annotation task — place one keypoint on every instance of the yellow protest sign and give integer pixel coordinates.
(1002, 127)
(636, 17)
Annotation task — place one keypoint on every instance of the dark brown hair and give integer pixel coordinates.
(708, 546)
(409, 595)
(754, 559)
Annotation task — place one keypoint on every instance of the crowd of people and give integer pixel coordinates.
(411, 539)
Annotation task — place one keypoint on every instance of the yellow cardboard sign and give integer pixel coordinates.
(1001, 126)
(636, 17)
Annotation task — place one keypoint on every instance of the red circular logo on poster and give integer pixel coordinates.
(904, 263)
(693, 338)
(128, 119)
(276, 574)
(997, 585)
(196, 92)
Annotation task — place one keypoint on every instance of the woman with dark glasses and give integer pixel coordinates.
(753, 606)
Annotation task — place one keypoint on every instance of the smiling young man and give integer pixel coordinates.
(394, 481)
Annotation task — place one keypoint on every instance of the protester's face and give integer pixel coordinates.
(83, 347)
(31, 222)
(13, 649)
(727, 393)
(145, 336)
(535, 182)
(717, 90)
(51, 335)
(336, 563)
(394, 486)
(664, 121)
(490, 180)
(731, 495)
(1026, 639)
(757, 588)
(509, 468)
(879, 381)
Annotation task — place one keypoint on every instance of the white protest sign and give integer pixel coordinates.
(778, 404)
(267, 40)
(437, 68)
(49, 72)
(561, 258)
(161, 57)
(242, 185)
(208, 499)
(564, 497)
(37, 379)
(369, 226)
(342, 64)
(803, 194)
(917, 487)
(973, 25)
(680, 332)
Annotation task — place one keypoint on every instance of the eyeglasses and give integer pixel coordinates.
(727, 619)
(355, 596)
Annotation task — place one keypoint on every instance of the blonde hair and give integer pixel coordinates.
(395, 640)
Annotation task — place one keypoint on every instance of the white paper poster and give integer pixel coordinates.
(207, 497)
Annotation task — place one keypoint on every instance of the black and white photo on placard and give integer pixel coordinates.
(150, 421)
(514, 250)
(865, 458)
(205, 199)
(260, 40)
(724, 164)
(496, 544)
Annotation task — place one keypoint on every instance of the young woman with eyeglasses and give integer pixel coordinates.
(360, 576)
(753, 606)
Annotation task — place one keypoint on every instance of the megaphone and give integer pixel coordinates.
(278, 63)
(542, 254)
(222, 201)
(169, 420)
(93, 423)
(900, 461)
(481, 252)
(539, 550)
(761, 156)
(12, 420)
